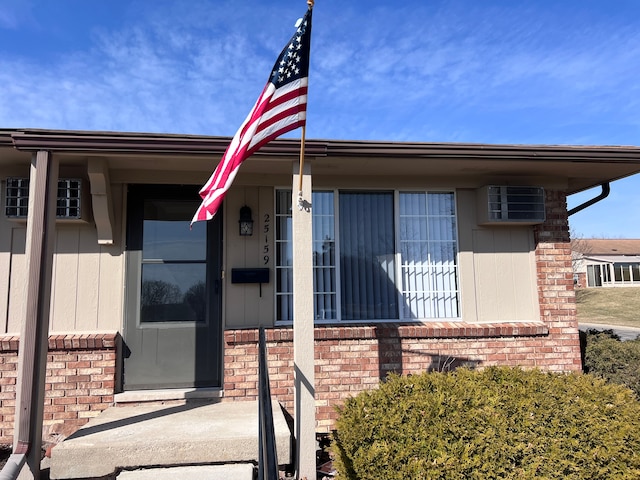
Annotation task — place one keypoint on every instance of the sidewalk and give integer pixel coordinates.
(625, 333)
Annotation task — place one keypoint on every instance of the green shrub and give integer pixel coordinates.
(495, 423)
(605, 356)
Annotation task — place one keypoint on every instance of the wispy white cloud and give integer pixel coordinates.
(414, 70)
(483, 59)
(175, 69)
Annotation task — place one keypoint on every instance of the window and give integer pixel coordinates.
(174, 263)
(376, 255)
(626, 272)
(635, 272)
(68, 203)
(284, 256)
(594, 276)
(599, 275)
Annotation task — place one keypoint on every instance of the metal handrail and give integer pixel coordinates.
(267, 454)
(12, 468)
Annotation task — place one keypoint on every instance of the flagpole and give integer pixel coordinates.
(302, 139)
(310, 3)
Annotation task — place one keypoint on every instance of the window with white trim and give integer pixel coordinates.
(377, 255)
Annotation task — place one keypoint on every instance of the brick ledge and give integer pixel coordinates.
(397, 330)
(84, 341)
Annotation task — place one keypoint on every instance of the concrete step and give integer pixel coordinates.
(239, 471)
(197, 433)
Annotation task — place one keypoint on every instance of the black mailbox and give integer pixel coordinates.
(249, 275)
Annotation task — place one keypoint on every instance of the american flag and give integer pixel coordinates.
(282, 107)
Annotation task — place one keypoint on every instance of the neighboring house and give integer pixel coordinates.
(601, 262)
(425, 256)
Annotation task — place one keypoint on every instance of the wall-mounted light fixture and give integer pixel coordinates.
(245, 222)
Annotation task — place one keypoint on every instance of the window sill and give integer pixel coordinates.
(354, 331)
(434, 330)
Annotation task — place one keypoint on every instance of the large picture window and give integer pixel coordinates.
(382, 255)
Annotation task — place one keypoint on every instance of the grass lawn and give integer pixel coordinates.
(617, 306)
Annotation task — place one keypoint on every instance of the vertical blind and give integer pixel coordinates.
(367, 251)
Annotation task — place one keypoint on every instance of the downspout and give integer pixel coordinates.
(604, 194)
(11, 469)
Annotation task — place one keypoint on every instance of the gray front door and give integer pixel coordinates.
(172, 328)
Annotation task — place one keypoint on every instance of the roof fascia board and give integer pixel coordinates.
(94, 142)
(171, 144)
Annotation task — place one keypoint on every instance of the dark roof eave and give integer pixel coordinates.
(172, 144)
(600, 154)
(155, 144)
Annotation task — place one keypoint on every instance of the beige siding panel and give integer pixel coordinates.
(5, 269)
(112, 269)
(244, 306)
(466, 220)
(18, 280)
(504, 274)
(86, 286)
(110, 281)
(65, 280)
(88, 280)
(266, 233)
(6, 232)
(235, 247)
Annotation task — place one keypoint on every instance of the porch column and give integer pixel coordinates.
(303, 339)
(32, 355)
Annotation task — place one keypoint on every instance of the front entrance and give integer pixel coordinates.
(173, 327)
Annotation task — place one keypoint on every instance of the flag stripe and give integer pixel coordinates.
(274, 130)
(288, 104)
(294, 111)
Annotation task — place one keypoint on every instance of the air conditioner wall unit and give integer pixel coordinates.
(510, 205)
(72, 202)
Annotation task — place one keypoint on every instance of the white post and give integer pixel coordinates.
(303, 339)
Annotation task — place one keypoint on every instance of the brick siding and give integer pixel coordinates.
(80, 381)
(349, 360)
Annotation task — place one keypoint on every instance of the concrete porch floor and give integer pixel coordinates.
(196, 433)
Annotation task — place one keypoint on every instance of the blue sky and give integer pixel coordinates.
(490, 71)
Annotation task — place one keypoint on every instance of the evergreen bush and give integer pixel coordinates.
(496, 423)
(607, 357)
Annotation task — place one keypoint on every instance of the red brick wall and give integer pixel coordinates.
(556, 292)
(80, 383)
(351, 359)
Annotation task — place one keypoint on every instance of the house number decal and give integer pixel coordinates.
(266, 229)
